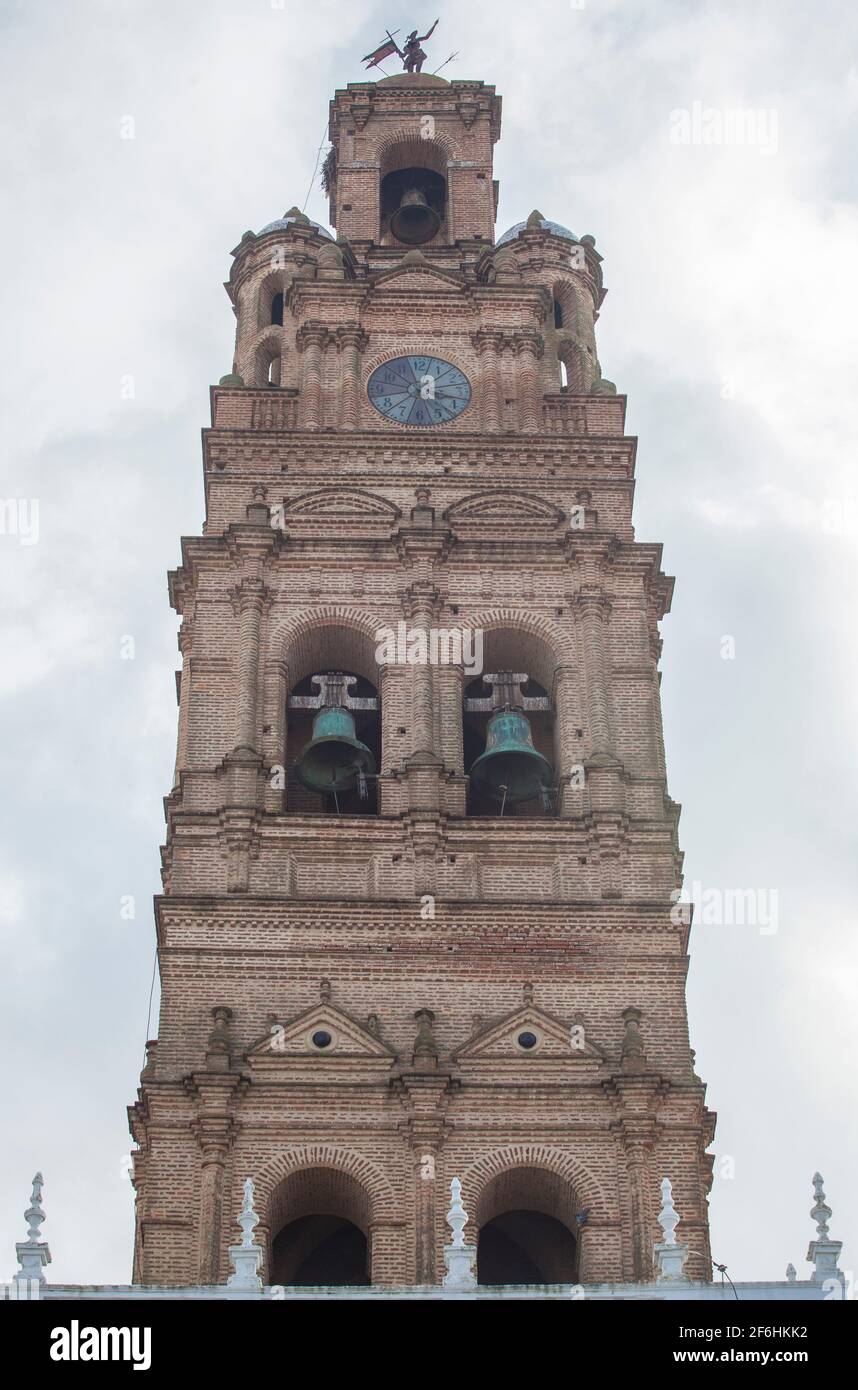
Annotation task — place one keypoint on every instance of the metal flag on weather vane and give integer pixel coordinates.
(412, 54)
(383, 51)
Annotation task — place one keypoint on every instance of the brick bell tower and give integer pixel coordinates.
(416, 919)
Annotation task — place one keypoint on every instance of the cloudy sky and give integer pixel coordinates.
(730, 323)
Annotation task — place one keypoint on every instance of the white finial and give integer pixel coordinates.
(248, 1219)
(33, 1253)
(457, 1217)
(669, 1257)
(823, 1252)
(460, 1259)
(34, 1215)
(820, 1213)
(247, 1257)
(790, 1272)
(668, 1217)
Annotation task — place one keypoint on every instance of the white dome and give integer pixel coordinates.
(289, 218)
(555, 228)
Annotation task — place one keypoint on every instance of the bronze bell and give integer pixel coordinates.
(414, 221)
(334, 759)
(510, 760)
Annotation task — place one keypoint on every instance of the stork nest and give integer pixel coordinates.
(329, 169)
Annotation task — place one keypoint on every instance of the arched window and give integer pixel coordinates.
(558, 313)
(270, 300)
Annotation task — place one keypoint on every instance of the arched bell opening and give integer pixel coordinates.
(321, 1220)
(413, 206)
(413, 193)
(508, 746)
(333, 749)
(526, 1220)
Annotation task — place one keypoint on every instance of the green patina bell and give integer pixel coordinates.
(334, 758)
(510, 760)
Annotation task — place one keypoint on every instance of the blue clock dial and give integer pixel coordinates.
(419, 390)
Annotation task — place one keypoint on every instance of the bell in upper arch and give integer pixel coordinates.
(334, 759)
(510, 760)
(414, 220)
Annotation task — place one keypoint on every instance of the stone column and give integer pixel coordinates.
(311, 338)
(351, 341)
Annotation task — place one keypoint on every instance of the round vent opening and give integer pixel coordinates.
(527, 1041)
(321, 1039)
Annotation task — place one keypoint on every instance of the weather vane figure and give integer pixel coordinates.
(412, 54)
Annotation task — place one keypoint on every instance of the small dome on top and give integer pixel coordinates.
(295, 215)
(412, 79)
(536, 220)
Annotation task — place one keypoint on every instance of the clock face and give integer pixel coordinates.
(419, 390)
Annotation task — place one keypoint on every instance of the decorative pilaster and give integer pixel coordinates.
(487, 343)
(593, 610)
(310, 339)
(528, 351)
(214, 1128)
(637, 1092)
(571, 776)
(424, 1086)
(250, 599)
(351, 341)
(422, 607)
(214, 1139)
(275, 718)
(451, 681)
